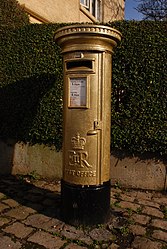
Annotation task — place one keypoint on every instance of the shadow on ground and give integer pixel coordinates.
(40, 195)
(44, 197)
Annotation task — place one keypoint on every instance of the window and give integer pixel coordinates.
(93, 6)
(85, 3)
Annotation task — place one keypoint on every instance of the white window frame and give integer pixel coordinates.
(93, 6)
(85, 3)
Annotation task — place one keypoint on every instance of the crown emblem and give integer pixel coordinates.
(78, 142)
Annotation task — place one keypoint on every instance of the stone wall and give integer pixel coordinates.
(21, 158)
(138, 172)
(129, 172)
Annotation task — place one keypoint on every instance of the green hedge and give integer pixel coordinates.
(12, 15)
(139, 120)
(31, 86)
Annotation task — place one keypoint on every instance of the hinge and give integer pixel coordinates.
(97, 125)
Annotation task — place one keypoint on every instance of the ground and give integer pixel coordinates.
(30, 218)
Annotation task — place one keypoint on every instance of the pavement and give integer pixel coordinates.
(30, 218)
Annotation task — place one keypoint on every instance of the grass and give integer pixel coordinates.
(164, 210)
(117, 185)
(139, 210)
(124, 230)
(129, 211)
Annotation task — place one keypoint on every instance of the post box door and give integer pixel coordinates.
(83, 119)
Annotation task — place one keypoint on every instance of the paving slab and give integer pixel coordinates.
(153, 212)
(18, 229)
(101, 234)
(159, 223)
(74, 246)
(47, 240)
(160, 235)
(19, 213)
(145, 243)
(141, 219)
(7, 242)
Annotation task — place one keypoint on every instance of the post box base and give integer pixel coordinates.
(85, 205)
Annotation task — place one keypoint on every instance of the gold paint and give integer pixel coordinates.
(79, 173)
(78, 142)
(87, 54)
(79, 159)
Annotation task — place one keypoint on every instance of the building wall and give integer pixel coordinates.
(113, 10)
(42, 11)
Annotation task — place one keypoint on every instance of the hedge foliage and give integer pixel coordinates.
(139, 120)
(12, 15)
(31, 86)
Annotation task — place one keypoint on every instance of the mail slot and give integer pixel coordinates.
(87, 55)
(80, 65)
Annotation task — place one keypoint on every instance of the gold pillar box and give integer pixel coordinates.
(85, 187)
(87, 54)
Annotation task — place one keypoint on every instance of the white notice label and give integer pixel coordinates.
(78, 92)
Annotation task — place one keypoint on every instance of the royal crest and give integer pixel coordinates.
(78, 156)
(78, 142)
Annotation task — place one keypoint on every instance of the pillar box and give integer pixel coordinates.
(87, 55)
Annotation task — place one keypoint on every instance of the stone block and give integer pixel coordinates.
(160, 235)
(133, 172)
(18, 229)
(43, 160)
(159, 224)
(47, 240)
(144, 243)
